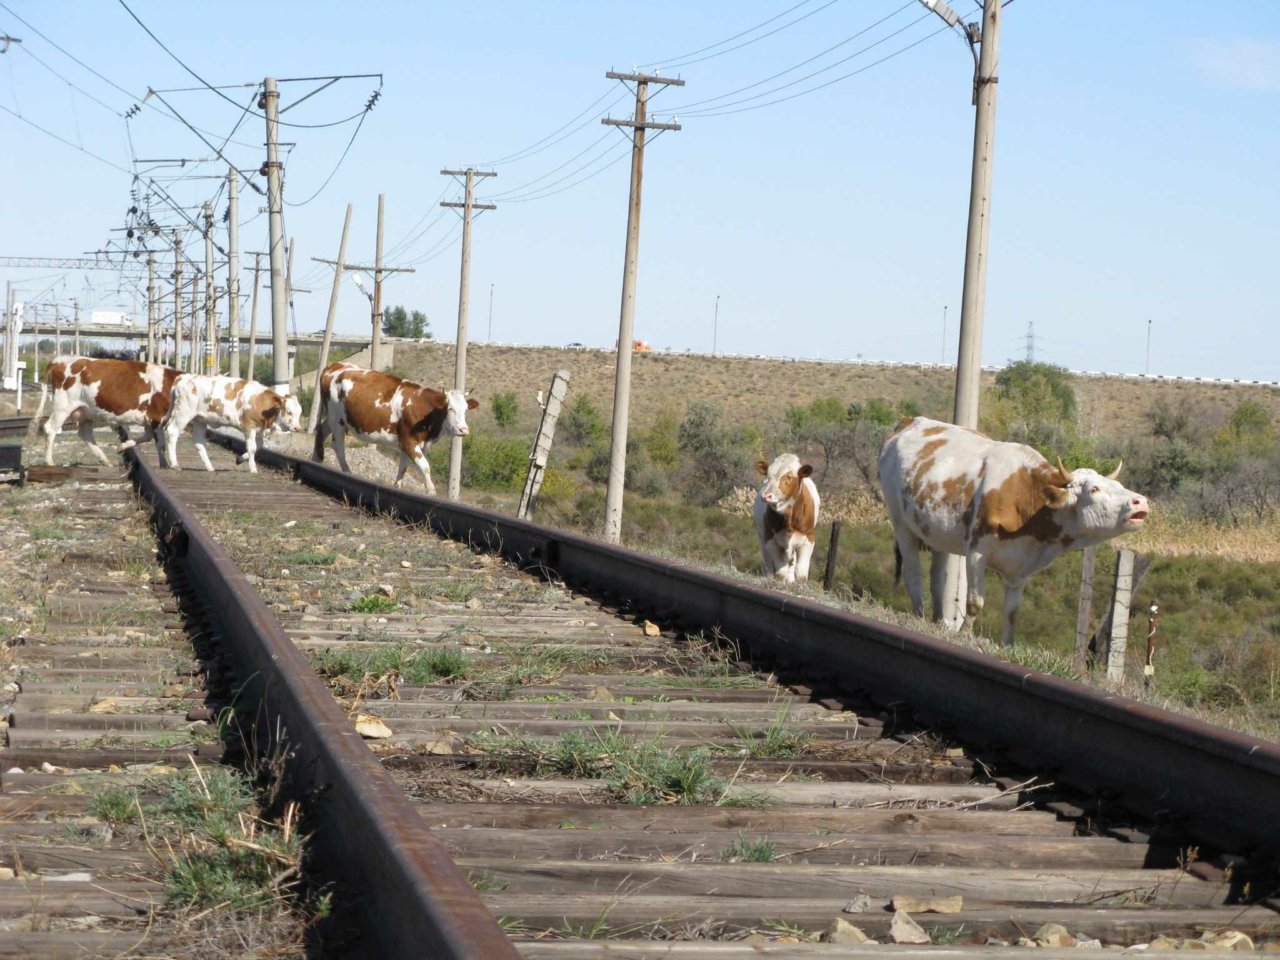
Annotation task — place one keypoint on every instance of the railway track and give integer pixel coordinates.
(588, 763)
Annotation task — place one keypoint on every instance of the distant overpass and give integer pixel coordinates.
(138, 332)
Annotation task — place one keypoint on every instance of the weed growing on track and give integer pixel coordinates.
(374, 603)
(115, 805)
(776, 741)
(310, 558)
(407, 665)
(747, 850)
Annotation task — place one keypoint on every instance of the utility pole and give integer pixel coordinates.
(464, 286)
(622, 377)
(253, 315)
(715, 326)
(210, 328)
(233, 271)
(943, 356)
(314, 414)
(10, 331)
(489, 335)
(270, 103)
(152, 356)
(193, 362)
(1031, 341)
(973, 298)
(1146, 369)
(57, 330)
(75, 303)
(177, 302)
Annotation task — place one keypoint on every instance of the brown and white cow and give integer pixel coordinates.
(786, 513)
(999, 505)
(203, 401)
(381, 408)
(91, 391)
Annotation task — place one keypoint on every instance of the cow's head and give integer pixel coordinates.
(782, 479)
(1102, 504)
(456, 405)
(280, 414)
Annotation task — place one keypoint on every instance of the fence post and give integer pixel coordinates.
(1120, 616)
(833, 548)
(542, 444)
(1149, 668)
(1084, 611)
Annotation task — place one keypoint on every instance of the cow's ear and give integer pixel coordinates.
(805, 471)
(271, 413)
(763, 467)
(472, 403)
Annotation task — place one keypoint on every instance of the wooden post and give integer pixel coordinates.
(1149, 668)
(833, 548)
(1084, 610)
(1120, 616)
(542, 444)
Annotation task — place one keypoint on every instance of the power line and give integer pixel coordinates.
(544, 192)
(720, 43)
(530, 150)
(334, 171)
(525, 186)
(718, 112)
(747, 43)
(74, 146)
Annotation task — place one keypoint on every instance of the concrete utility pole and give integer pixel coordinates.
(177, 302)
(715, 326)
(1146, 369)
(622, 378)
(75, 303)
(464, 288)
(973, 297)
(193, 356)
(233, 270)
(152, 355)
(270, 103)
(10, 331)
(314, 414)
(210, 328)
(57, 330)
(253, 315)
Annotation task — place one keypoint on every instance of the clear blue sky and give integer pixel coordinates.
(1135, 172)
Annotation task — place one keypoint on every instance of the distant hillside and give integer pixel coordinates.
(749, 390)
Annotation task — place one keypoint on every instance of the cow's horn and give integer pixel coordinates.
(1115, 474)
(1063, 472)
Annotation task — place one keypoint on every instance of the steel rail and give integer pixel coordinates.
(1220, 786)
(414, 900)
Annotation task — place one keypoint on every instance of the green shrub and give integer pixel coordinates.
(582, 424)
(505, 408)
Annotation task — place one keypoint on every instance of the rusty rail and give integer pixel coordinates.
(1222, 787)
(365, 833)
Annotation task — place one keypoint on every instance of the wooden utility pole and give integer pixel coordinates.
(76, 307)
(57, 330)
(626, 321)
(464, 292)
(1084, 609)
(152, 355)
(233, 271)
(210, 323)
(177, 302)
(542, 444)
(969, 358)
(253, 315)
(314, 414)
(270, 103)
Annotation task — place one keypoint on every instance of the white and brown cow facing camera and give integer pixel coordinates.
(999, 505)
(380, 408)
(91, 391)
(202, 401)
(786, 514)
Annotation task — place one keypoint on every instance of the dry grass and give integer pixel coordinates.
(1172, 534)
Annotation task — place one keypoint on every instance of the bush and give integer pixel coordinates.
(583, 424)
(493, 463)
(661, 442)
(505, 408)
(716, 457)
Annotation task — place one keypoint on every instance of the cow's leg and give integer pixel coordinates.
(51, 428)
(251, 447)
(401, 468)
(1012, 597)
(172, 429)
(340, 445)
(155, 434)
(85, 433)
(126, 442)
(776, 559)
(198, 430)
(420, 458)
(912, 572)
(804, 553)
(975, 570)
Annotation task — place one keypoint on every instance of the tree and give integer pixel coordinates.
(399, 322)
(582, 425)
(716, 457)
(505, 408)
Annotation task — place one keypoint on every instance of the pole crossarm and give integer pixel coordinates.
(643, 78)
(638, 125)
(474, 206)
(463, 173)
(364, 266)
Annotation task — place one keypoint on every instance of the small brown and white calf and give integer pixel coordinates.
(786, 513)
(91, 391)
(381, 408)
(204, 401)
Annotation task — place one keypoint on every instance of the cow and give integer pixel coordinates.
(786, 513)
(203, 401)
(999, 505)
(384, 409)
(90, 391)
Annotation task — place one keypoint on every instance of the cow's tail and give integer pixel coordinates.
(34, 425)
(897, 563)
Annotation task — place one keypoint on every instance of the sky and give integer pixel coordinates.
(1135, 195)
